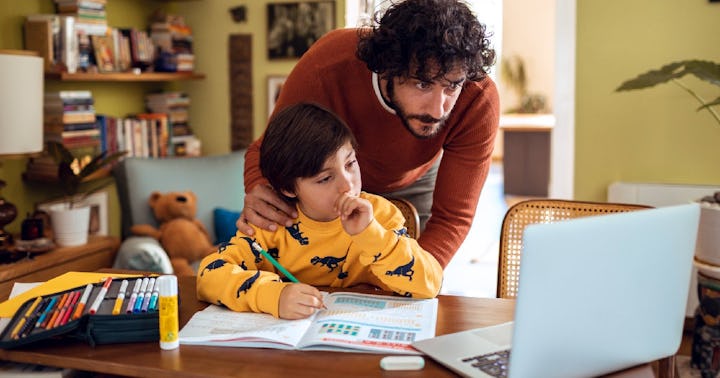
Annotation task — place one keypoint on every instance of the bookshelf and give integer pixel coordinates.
(41, 34)
(124, 76)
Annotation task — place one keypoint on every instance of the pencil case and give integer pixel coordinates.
(54, 316)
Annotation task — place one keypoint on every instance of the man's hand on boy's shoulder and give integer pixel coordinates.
(265, 209)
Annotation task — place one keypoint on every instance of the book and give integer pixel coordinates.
(40, 37)
(104, 55)
(352, 322)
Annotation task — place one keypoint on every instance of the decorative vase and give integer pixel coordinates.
(70, 225)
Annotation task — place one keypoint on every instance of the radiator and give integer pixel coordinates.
(659, 195)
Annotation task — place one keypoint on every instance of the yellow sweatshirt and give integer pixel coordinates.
(319, 254)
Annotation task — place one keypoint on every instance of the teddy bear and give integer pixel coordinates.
(184, 238)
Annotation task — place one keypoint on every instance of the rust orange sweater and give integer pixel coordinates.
(390, 157)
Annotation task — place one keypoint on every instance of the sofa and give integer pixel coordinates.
(217, 181)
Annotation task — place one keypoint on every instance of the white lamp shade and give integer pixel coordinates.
(21, 103)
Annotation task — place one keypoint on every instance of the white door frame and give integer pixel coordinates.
(562, 152)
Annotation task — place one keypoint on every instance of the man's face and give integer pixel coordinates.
(424, 106)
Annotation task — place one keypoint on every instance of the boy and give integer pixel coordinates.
(342, 236)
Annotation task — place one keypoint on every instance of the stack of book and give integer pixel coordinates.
(176, 106)
(90, 16)
(41, 168)
(69, 118)
(173, 39)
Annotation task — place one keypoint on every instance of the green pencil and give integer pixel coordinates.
(281, 268)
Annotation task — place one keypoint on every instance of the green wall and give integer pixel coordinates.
(651, 135)
(212, 26)
(210, 110)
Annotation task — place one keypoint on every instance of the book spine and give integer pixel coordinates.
(69, 43)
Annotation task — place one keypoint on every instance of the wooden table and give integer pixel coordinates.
(148, 360)
(98, 253)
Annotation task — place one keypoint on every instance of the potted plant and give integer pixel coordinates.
(70, 220)
(708, 242)
(513, 74)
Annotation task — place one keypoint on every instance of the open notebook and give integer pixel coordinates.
(596, 295)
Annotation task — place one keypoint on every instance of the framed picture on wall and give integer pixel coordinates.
(293, 27)
(274, 85)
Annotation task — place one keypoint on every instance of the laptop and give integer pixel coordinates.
(596, 295)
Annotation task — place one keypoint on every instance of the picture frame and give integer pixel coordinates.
(103, 51)
(293, 27)
(274, 85)
(98, 211)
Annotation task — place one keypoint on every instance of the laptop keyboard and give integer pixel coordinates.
(494, 364)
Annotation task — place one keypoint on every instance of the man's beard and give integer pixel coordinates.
(405, 118)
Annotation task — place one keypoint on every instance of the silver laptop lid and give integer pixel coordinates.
(600, 294)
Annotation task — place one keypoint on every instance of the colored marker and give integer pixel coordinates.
(47, 310)
(146, 300)
(120, 297)
(83, 301)
(57, 321)
(154, 298)
(281, 268)
(24, 319)
(61, 310)
(61, 304)
(70, 307)
(133, 296)
(101, 296)
(141, 295)
(30, 324)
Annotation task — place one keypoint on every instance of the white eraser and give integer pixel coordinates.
(402, 363)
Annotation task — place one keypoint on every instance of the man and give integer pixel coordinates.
(414, 90)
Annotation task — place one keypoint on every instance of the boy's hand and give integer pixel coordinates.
(355, 213)
(265, 209)
(298, 301)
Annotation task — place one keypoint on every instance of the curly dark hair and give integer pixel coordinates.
(425, 32)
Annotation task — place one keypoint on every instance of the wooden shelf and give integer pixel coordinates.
(98, 253)
(124, 76)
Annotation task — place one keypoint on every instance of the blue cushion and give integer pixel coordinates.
(224, 222)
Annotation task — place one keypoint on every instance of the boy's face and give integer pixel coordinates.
(318, 195)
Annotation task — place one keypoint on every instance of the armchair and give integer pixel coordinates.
(216, 180)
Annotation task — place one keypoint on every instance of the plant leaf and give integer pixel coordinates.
(704, 70)
(99, 162)
(69, 183)
(709, 104)
(59, 153)
(651, 78)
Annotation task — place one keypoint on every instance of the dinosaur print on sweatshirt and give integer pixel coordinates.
(331, 262)
(247, 284)
(213, 265)
(403, 270)
(295, 232)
